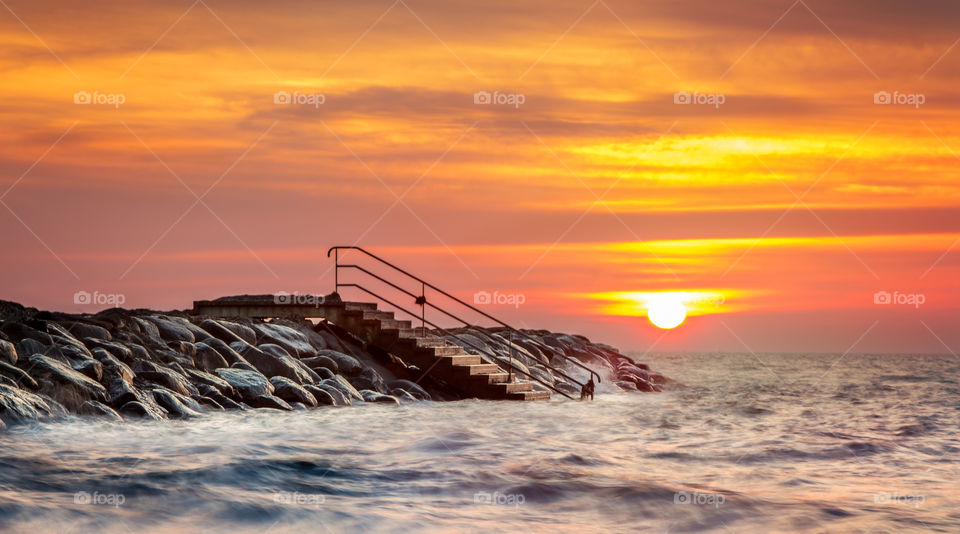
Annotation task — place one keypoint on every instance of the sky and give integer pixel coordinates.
(782, 167)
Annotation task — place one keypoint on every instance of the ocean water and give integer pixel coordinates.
(751, 443)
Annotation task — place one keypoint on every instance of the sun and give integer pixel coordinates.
(666, 311)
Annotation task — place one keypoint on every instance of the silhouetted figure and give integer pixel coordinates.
(587, 389)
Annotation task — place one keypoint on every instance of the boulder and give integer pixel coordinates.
(368, 379)
(224, 350)
(18, 376)
(374, 396)
(249, 385)
(291, 340)
(403, 395)
(138, 410)
(218, 330)
(91, 368)
(339, 398)
(207, 358)
(269, 401)
(244, 365)
(183, 347)
(112, 367)
(118, 350)
(170, 330)
(20, 331)
(149, 329)
(98, 409)
(65, 385)
(84, 330)
(221, 385)
(346, 364)
(18, 406)
(173, 404)
(120, 392)
(323, 396)
(8, 352)
(221, 399)
(344, 387)
(321, 362)
(329, 339)
(28, 346)
(169, 379)
(208, 402)
(323, 373)
(274, 364)
(411, 388)
(291, 392)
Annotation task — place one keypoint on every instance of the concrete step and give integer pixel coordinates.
(529, 396)
(429, 342)
(460, 359)
(451, 350)
(359, 306)
(381, 315)
(397, 333)
(477, 369)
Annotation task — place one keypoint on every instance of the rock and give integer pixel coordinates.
(20, 331)
(344, 387)
(173, 358)
(18, 376)
(8, 352)
(182, 347)
(346, 364)
(373, 396)
(411, 388)
(330, 340)
(7, 381)
(18, 406)
(197, 332)
(249, 385)
(217, 330)
(208, 402)
(403, 395)
(112, 367)
(244, 365)
(221, 385)
(173, 404)
(139, 410)
(170, 330)
(321, 362)
(207, 358)
(291, 392)
(84, 330)
(269, 401)
(224, 350)
(169, 379)
(98, 409)
(27, 346)
(323, 396)
(274, 364)
(340, 399)
(149, 329)
(222, 400)
(91, 368)
(368, 379)
(66, 386)
(323, 373)
(292, 341)
(119, 351)
(120, 392)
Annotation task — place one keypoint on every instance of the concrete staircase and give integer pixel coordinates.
(445, 362)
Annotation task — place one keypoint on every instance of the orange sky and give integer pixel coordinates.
(778, 212)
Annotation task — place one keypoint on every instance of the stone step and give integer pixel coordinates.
(379, 315)
(430, 342)
(477, 369)
(359, 306)
(529, 396)
(460, 359)
(451, 350)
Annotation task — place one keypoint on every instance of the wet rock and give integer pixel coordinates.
(18, 406)
(291, 392)
(269, 401)
(292, 341)
(112, 367)
(173, 404)
(411, 388)
(218, 330)
(221, 385)
(20, 331)
(249, 385)
(182, 347)
(321, 362)
(329, 338)
(275, 364)
(341, 384)
(368, 379)
(138, 410)
(324, 397)
(340, 399)
(403, 395)
(169, 379)
(170, 330)
(374, 396)
(323, 373)
(149, 329)
(84, 330)
(346, 364)
(63, 384)
(224, 350)
(120, 392)
(90, 368)
(17, 376)
(26, 347)
(8, 352)
(98, 409)
(208, 402)
(119, 351)
(207, 358)
(221, 399)
(244, 365)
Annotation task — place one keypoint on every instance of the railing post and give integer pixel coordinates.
(511, 358)
(336, 271)
(423, 306)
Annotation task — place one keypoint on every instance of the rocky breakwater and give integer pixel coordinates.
(142, 364)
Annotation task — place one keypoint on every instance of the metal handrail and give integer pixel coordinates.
(492, 354)
(425, 284)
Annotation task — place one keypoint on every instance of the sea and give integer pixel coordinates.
(780, 443)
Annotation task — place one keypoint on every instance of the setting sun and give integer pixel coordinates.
(666, 311)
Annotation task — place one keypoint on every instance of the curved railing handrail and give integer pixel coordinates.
(497, 358)
(448, 295)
